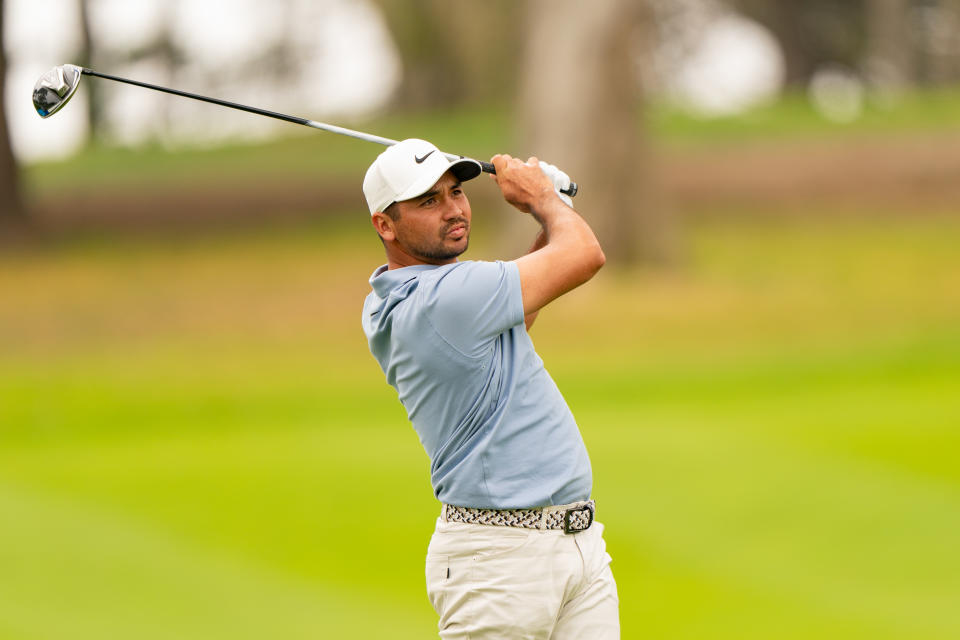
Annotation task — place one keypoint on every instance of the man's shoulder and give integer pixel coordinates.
(466, 271)
(466, 304)
(461, 283)
(455, 287)
(473, 300)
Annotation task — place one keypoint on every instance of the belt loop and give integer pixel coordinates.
(543, 519)
(443, 513)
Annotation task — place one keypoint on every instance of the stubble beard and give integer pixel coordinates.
(438, 252)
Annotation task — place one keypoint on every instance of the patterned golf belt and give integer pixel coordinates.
(571, 518)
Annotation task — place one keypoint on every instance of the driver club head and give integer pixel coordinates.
(55, 88)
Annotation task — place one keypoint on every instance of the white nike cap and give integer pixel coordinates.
(408, 169)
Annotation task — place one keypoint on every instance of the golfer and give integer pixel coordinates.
(517, 552)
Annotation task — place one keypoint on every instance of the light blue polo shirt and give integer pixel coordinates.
(452, 342)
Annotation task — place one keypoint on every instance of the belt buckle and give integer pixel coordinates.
(570, 512)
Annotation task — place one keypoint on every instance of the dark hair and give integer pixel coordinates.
(393, 211)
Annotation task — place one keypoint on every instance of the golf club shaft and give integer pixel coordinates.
(486, 166)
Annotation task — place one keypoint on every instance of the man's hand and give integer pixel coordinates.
(523, 184)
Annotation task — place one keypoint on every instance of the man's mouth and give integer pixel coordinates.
(457, 231)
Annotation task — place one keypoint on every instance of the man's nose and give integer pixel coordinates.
(452, 208)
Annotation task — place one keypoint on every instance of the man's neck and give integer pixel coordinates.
(401, 259)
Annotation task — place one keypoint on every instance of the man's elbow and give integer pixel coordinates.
(601, 259)
(597, 260)
(588, 264)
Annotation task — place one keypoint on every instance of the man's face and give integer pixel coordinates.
(433, 228)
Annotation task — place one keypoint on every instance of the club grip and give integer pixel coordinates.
(571, 191)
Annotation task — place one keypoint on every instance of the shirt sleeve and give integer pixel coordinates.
(474, 302)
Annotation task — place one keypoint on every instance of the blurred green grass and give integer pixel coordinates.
(194, 438)
(793, 117)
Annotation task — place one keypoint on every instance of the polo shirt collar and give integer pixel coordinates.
(385, 280)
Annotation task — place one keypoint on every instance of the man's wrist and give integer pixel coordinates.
(547, 207)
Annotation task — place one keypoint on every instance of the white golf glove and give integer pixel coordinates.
(560, 181)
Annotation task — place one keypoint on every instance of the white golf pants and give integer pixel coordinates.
(505, 582)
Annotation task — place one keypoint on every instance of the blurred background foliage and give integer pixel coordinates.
(193, 437)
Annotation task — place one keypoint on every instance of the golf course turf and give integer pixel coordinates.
(195, 442)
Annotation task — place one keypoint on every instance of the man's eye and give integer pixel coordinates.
(428, 202)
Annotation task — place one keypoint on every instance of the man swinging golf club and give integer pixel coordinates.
(516, 552)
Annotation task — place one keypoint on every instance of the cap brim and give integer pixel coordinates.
(463, 169)
(466, 169)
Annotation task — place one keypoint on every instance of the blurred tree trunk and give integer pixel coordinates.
(164, 50)
(87, 58)
(580, 109)
(890, 44)
(783, 19)
(11, 205)
(946, 49)
(454, 52)
(939, 63)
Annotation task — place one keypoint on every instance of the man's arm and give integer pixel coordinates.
(538, 243)
(570, 253)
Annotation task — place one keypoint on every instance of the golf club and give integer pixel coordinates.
(55, 88)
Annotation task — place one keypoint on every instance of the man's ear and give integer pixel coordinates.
(384, 226)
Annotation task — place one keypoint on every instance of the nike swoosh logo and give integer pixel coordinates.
(420, 160)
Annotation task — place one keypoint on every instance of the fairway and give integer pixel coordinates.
(195, 442)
